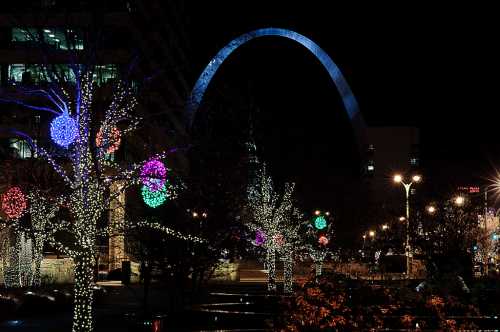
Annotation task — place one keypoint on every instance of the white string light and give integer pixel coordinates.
(170, 232)
(275, 215)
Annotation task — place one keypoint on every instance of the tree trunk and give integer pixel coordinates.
(38, 256)
(318, 266)
(82, 314)
(288, 273)
(271, 270)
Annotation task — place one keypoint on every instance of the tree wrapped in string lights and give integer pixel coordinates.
(273, 220)
(317, 236)
(87, 171)
(42, 230)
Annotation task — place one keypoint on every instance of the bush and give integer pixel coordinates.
(332, 305)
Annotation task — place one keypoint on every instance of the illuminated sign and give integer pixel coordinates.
(470, 189)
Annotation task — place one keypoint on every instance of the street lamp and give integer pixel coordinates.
(398, 178)
(317, 212)
(385, 227)
(431, 209)
(459, 200)
(371, 234)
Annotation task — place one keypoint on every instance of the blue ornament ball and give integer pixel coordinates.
(63, 130)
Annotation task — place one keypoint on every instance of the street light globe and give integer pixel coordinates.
(364, 236)
(327, 213)
(398, 178)
(431, 209)
(385, 227)
(317, 212)
(371, 233)
(195, 214)
(402, 218)
(417, 178)
(459, 200)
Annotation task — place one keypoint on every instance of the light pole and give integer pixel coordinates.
(415, 179)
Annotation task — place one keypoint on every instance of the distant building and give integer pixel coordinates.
(390, 150)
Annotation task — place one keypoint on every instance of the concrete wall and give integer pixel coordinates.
(57, 270)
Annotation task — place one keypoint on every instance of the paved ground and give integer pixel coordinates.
(237, 307)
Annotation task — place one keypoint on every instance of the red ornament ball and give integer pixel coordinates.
(323, 240)
(113, 141)
(279, 240)
(14, 203)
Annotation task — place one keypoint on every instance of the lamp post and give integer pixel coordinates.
(415, 179)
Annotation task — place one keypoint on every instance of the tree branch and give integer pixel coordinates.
(32, 107)
(42, 153)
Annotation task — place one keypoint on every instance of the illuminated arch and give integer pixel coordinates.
(348, 99)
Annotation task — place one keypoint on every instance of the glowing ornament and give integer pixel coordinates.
(153, 175)
(14, 203)
(323, 240)
(114, 139)
(154, 198)
(320, 222)
(260, 237)
(63, 130)
(279, 240)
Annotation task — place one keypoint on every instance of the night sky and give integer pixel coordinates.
(433, 67)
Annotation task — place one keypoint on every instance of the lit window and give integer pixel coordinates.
(16, 72)
(59, 38)
(21, 148)
(24, 35)
(35, 72)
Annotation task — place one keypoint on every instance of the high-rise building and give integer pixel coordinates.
(391, 150)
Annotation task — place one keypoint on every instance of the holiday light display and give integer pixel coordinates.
(274, 215)
(41, 212)
(153, 175)
(154, 198)
(114, 140)
(88, 177)
(169, 231)
(63, 130)
(323, 240)
(16, 258)
(288, 272)
(320, 222)
(14, 203)
(260, 237)
(279, 241)
(316, 237)
(318, 257)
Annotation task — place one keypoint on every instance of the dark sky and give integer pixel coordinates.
(430, 66)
